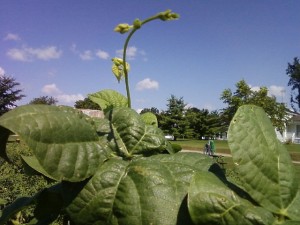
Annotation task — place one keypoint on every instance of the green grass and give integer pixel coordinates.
(222, 147)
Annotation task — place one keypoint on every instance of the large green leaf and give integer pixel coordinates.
(210, 201)
(132, 135)
(64, 141)
(147, 190)
(149, 118)
(108, 99)
(35, 166)
(294, 208)
(264, 165)
(291, 222)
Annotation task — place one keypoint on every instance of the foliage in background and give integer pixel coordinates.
(293, 71)
(191, 122)
(204, 124)
(9, 93)
(86, 104)
(244, 95)
(45, 100)
(153, 110)
(15, 183)
(172, 121)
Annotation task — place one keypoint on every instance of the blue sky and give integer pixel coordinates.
(63, 48)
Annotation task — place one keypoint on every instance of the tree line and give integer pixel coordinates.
(183, 122)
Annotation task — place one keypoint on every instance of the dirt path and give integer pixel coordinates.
(223, 154)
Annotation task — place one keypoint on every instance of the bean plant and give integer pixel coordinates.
(120, 170)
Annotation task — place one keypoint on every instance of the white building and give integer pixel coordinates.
(292, 130)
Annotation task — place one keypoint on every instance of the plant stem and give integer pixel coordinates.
(125, 69)
(124, 57)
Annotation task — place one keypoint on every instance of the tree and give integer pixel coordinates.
(197, 121)
(45, 100)
(173, 120)
(293, 71)
(86, 104)
(9, 94)
(204, 123)
(152, 109)
(245, 95)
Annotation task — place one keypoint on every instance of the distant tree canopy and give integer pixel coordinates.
(205, 124)
(9, 93)
(293, 71)
(245, 95)
(183, 122)
(173, 120)
(86, 104)
(45, 100)
(152, 109)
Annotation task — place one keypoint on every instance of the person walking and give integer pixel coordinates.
(207, 149)
(212, 147)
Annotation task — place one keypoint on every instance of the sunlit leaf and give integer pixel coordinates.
(264, 165)
(142, 191)
(63, 140)
(108, 99)
(149, 118)
(210, 201)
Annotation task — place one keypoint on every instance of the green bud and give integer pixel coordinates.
(122, 28)
(137, 24)
(117, 61)
(168, 15)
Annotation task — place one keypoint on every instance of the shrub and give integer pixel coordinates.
(176, 147)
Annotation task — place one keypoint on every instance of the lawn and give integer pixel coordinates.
(222, 147)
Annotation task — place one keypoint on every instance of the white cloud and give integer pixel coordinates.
(102, 54)
(130, 53)
(86, 55)
(73, 48)
(69, 99)
(254, 88)
(209, 107)
(189, 105)
(147, 84)
(273, 90)
(2, 72)
(277, 91)
(47, 53)
(18, 55)
(29, 54)
(51, 89)
(65, 98)
(12, 37)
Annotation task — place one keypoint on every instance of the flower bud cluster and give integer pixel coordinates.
(122, 28)
(168, 15)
